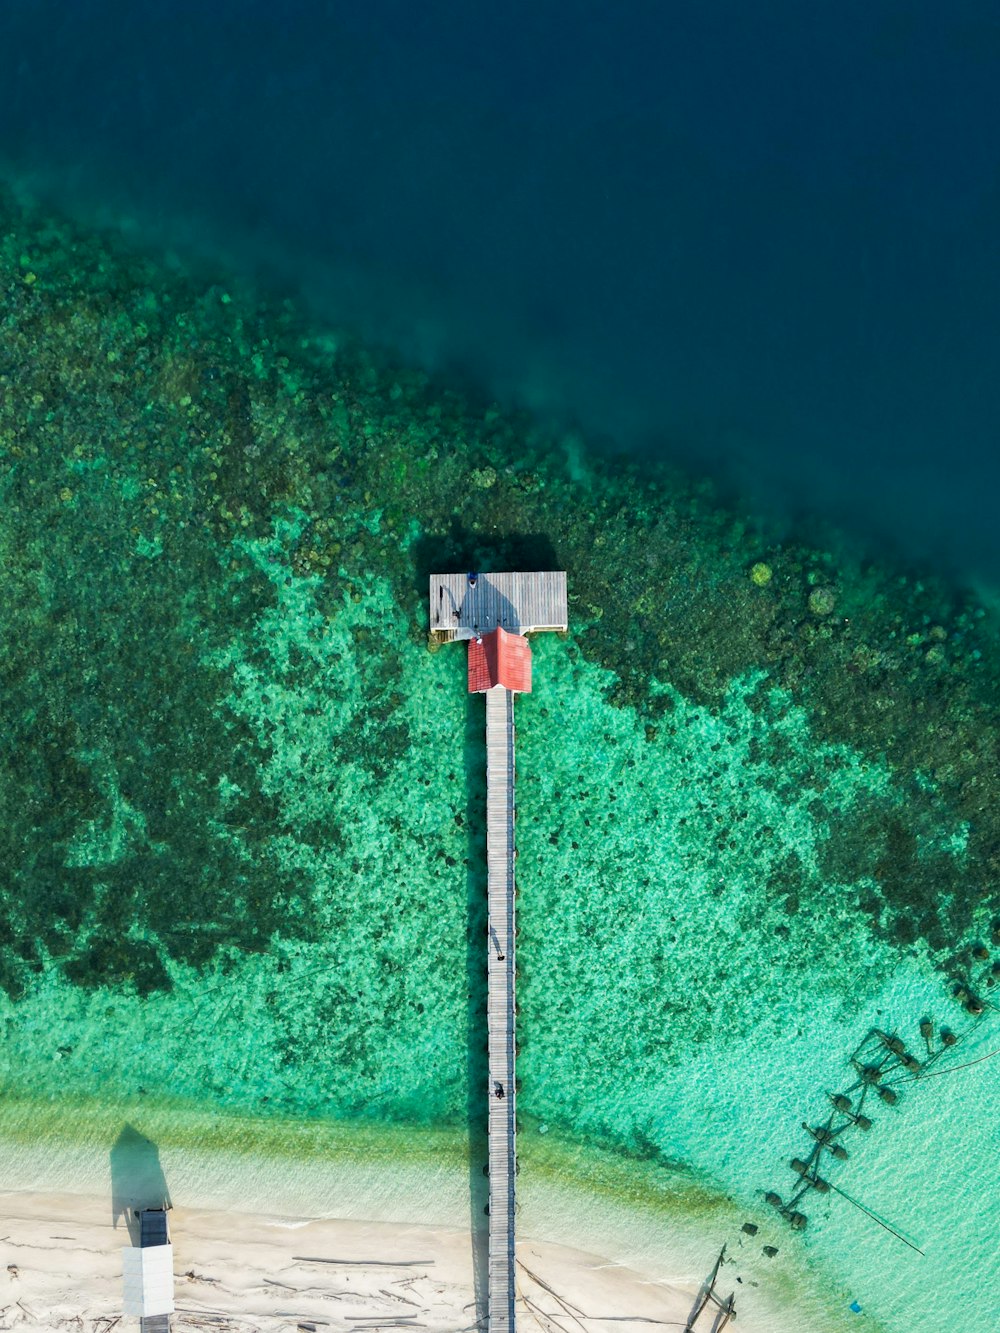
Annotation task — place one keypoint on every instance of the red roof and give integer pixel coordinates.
(499, 658)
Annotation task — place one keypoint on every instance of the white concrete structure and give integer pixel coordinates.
(149, 1280)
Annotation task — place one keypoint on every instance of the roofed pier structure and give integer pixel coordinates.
(493, 613)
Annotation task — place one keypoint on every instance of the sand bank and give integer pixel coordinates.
(277, 1273)
(60, 1268)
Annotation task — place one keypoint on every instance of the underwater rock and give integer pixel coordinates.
(822, 601)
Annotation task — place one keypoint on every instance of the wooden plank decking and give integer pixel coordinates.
(500, 973)
(520, 603)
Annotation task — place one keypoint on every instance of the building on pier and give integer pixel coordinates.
(149, 1273)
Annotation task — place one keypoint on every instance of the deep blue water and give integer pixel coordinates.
(758, 237)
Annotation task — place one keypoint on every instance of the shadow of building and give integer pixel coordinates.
(137, 1180)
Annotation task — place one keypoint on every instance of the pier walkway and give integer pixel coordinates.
(493, 613)
(518, 603)
(500, 974)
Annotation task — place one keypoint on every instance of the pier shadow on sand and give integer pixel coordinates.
(477, 1062)
(137, 1179)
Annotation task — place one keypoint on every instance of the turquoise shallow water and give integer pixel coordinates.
(243, 801)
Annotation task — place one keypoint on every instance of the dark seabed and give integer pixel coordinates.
(297, 309)
(762, 242)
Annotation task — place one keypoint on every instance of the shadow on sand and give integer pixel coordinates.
(137, 1179)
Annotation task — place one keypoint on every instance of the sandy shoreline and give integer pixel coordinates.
(61, 1269)
(340, 1225)
(62, 1259)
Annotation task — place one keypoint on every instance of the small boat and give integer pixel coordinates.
(827, 1138)
(891, 1043)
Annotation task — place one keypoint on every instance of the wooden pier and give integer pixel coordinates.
(500, 974)
(493, 612)
(518, 603)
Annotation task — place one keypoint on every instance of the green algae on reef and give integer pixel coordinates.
(242, 805)
(152, 427)
(176, 460)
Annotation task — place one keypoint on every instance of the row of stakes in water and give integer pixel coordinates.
(880, 1055)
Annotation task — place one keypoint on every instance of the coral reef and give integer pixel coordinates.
(212, 510)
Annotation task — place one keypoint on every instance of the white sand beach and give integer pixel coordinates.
(63, 1266)
(61, 1269)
